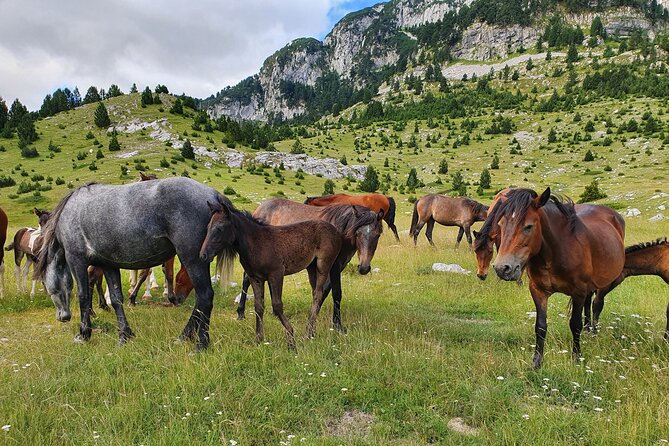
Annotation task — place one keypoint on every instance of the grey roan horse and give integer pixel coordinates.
(133, 226)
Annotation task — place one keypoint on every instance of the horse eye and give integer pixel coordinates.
(528, 228)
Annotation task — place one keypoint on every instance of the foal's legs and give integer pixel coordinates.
(242, 299)
(259, 306)
(316, 270)
(428, 231)
(24, 274)
(138, 284)
(275, 291)
(168, 271)
(18, 258)
(113, 277)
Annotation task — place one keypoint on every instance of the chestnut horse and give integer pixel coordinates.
(27, 243)
(3, 238)
(566, 250)
(375, 202)
(268, 253)
(650, 258)
(447, 211)
(483, 243)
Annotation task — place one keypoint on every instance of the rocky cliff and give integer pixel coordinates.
(380, 41)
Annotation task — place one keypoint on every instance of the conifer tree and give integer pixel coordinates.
(101, 117)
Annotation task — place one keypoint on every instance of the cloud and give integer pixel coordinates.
(193, 47)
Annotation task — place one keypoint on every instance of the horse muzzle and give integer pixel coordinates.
(364, 269)
(509, 271)
(482, 276)
(63, 316)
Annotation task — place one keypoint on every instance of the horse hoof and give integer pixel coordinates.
(200, 347)
(341, 329)
(78, 339)
(241, 317)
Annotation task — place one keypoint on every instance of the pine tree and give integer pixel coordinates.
(494, 164)
(177, 107)
(92, 95)
(297, 148)
(114, 91)
(16, 112)
(328, 187)
(133, 89)
(371, 181)
(101, 116)
(147, 97)
(114, 145)
(589, 156)
(485, 179)
(457, 181)
(187, 150)
(572, 54)
(4, 113)
(592, 192)
(26, 131)
(443, 166)
(412, 180)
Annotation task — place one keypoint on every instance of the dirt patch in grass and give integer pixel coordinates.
(352, 424)
(458, 425)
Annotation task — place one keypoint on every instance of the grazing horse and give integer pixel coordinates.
(651, 259)
(131, 226)
(268, 253)
(359, 227)
(27, 243)
(375, 202)
(566, 250)
(3, 237)
(447, 211)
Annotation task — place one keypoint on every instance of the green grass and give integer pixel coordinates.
(422, 347)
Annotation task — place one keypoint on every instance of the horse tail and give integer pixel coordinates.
(390, 216)
(9, 247)
(414, 218)
(50, 243)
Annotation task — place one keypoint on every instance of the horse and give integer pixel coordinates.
(447, 211)
(268, 253)
(3, 238)
(375, 202)
(484, 242)
(651, 258)
(27, 243)
(566, 250)
(130, 226)
(359, 227)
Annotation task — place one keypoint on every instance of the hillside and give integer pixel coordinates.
(308, 79)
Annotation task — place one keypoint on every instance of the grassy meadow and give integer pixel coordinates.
(422, 348)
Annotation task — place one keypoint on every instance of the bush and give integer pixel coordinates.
(589, 156)
(229, 191)
(7, 181)
(187, 150)
(114, 145)
(371, 181)
(29, 152)
(328, 187)
(591, 193)
(60, 181)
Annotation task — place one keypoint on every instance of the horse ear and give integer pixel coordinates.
(143, 177)
(476, 234)
(214, 207)
(543, 198)
(380, 215)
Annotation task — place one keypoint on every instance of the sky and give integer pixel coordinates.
(196, 47)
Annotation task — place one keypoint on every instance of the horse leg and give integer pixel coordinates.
(168, 271)
(576, 324)
(101, 295)
(80, 272)
(394, 229)
(138, 284)
(133, 279)
(2, 278)
(469, 237)
(242, 298)
(149, 285)
(317, 296)
(428, 231)
(204, 303)
(275, 291)
(666, 330)
(113, 277)
(153, 281)
(587, 313)
(259, 306)
(24, 274)
(461, 232)
(541, 326)
(335, 285)
(18, 257)
(419, 227)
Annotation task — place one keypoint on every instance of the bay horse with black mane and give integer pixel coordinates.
(563, 249)
(375, 202)
(268, 253)
(27, 244)
(131, 226)
(448, 211)
(643, 259)
(359, 227)
(4, 223)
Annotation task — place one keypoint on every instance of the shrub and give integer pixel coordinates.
(591, 193)
(229, 191)
(7, 181)
(589, 156)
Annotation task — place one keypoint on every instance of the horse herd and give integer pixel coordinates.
(97, 229)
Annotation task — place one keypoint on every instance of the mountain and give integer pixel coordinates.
(308, 78)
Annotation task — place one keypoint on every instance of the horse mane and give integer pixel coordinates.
(566, 207)
(344, 218)
(643, 245)
(475, 206)
(49, 240)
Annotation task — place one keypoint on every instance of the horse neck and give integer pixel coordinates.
(647, 261)
(554, 232)
(247, 234)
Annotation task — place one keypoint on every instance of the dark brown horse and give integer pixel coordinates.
(3, 238)
(359, 227)
(447, 211)
(375, 202)
(644, 259)
(566, 250)
(268, 253)
(27, 243)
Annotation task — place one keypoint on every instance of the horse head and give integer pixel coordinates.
(43, 216)
(58, 281)
(367, 238)
(519, 231)
(483, 248)
(220, 232)
(182, 287)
